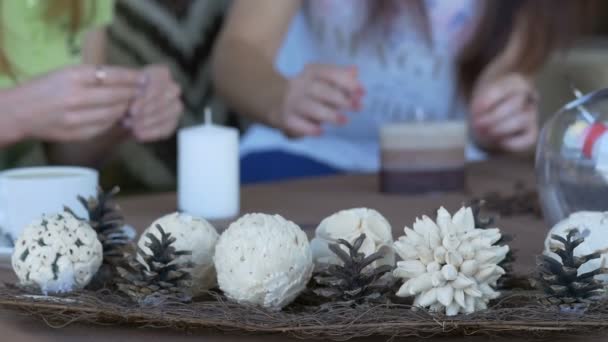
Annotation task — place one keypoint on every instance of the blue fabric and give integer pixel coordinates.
(272, 166)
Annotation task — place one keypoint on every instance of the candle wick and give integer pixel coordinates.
(208, 117)
(584, 112)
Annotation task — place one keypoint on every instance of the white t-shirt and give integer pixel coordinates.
(402, 72)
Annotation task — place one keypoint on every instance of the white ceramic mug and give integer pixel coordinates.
(28, 193)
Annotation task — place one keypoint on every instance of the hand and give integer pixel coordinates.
(74, 103)
(319, 95)
(156, 111)
(505, 113)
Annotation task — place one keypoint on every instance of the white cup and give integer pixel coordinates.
(28, 193)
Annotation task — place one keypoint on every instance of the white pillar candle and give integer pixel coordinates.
(208, 171)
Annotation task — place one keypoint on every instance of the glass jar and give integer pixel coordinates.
(572, 158)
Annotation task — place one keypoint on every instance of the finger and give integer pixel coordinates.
(151, 115)
(94, 116)
(301, 127)
(104, 96)
(158, 97)
(509, 107)
(345, 78)
(169, 111)
(161, 129)
(155, 133)
(521, 143)
(489, 96)
(109, 76)
(331, 96)
(321, 113)
(512, 125)
(86, 132)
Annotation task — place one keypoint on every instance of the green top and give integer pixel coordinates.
(35, 46)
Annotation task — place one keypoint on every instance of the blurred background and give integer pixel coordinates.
(181, 33)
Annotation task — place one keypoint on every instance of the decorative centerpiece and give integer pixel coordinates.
(445, 284)
(57, 253)
(348, 225)
(188, 233)
(263, 260)
(572, 158)
(450, 265)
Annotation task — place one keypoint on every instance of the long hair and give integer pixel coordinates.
(73, 11)
(545, 26)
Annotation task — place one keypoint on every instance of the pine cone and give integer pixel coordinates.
(356, 280)
(159, 274)
(561, 281)
(107, 220)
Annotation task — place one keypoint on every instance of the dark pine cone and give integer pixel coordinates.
(108, 221)
(561, 281)
(354, 281)
(159, 274)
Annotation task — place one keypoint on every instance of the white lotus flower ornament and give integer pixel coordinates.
(449, 265)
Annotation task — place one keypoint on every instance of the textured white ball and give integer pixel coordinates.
(594, 227)
(191, 234)
(57, 253)
(349, 225)
(263, 260)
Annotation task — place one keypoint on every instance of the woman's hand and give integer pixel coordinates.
(74, 103)
(505, 113)
(156, 111)
(318, 95)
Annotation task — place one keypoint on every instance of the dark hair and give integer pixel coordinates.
(546, 25)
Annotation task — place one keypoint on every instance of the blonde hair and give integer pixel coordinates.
(72, 10)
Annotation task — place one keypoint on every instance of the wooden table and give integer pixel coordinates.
(305, 202)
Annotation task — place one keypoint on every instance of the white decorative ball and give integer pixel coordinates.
(450, 265)
(263, 260)
(57, 253)
(593, 226)
(349, 225)
(191, 234)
